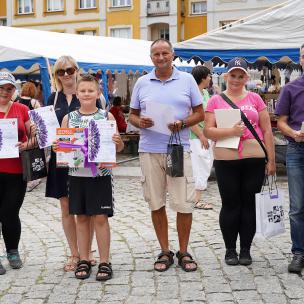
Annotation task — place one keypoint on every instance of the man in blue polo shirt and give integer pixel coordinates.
(167, 87)
(290, 108)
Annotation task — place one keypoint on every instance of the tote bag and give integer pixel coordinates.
(33, 163)
(175, 156)
(269, 212)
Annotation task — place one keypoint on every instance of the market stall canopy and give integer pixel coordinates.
(275, 35)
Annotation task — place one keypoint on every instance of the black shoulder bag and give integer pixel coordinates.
(247, 123)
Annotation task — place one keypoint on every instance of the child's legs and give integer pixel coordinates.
(102, 230)
(83, 236)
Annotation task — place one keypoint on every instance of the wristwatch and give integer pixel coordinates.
(184, 125)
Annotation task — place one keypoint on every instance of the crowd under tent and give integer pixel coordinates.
(273, 36)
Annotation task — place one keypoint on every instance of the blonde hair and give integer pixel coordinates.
(60, 63)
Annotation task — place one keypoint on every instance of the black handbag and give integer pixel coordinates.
(33, 163)
(175, 156)
(247, 123)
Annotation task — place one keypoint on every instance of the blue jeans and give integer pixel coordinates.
(295, 172)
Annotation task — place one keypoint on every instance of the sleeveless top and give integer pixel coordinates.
(78, 120)
(27, 102)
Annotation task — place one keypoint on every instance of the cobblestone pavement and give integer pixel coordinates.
(134, 248)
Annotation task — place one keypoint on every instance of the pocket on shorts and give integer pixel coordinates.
(146, 190)
(190, 186)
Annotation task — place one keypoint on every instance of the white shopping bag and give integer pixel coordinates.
(269, 213)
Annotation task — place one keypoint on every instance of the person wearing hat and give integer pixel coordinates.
(240, 172)
(12, 185)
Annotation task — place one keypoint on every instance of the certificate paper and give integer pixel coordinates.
(46, 122)
(161, 115)
(70, 157)
(227, 118)
(9, 138)
(102, 149)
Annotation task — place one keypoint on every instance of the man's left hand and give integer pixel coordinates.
(175, 126)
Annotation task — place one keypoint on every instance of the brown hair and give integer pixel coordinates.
(88, 78)
(29, 90)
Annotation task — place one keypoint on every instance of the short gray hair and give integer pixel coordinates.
(162, 40)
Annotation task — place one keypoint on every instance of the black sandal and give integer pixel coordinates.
(167, 262)
(183, 262)
(83, 266)
(104, 268)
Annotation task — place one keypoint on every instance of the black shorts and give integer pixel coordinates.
(91, 195)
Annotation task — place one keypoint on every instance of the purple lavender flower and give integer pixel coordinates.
(41, 127)
(1, 139)
(94, 140)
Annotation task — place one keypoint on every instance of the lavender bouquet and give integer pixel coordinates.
(41, 127)
(94, 140)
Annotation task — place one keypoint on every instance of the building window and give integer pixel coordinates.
(164, 34)
(88, 33)
(54, 5)
(25, 7)
(85, 4)
(199, 7)
(121, 32)
(3, 21)
(120, 3)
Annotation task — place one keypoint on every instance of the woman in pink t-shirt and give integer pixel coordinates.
(240, 172)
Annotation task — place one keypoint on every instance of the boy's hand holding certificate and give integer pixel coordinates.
(102, 149)
(46, 122)
(9, 138)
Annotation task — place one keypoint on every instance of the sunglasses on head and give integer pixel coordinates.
(69, 71)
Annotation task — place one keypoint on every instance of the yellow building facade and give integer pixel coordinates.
(3, 13)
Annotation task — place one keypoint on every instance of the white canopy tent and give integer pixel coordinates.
(275, 35)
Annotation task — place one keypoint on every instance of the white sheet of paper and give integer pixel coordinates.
(227, 118)
(46, 121)
(9, 138)
(161, 115)
(102, 149)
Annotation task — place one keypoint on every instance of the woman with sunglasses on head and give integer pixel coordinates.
(64, 101)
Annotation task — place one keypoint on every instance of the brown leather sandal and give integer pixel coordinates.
(182, 262)
(168, 261)
(71, 263)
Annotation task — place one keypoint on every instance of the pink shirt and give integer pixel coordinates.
(251, 105)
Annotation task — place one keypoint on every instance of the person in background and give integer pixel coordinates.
(27, 97)
(12, 185)
(290, 109)
(240, 172)
(169, 86)
(64, 102)
(201, 150)
(118, 114)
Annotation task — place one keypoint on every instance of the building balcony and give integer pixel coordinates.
(158, 8)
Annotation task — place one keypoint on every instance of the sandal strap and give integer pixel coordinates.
(83, 264)
(168, 254)
(105, 268)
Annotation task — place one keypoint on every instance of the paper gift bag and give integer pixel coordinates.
(269, 213)
(33, 164)
(175, 157)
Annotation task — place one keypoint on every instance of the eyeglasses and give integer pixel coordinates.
(69, 71)
(8, 90)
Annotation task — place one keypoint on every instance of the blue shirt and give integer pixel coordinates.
(180, 91)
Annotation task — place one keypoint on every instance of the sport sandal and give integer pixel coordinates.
(182, 262)
(164, 258)
(83, 266)
(104, 272)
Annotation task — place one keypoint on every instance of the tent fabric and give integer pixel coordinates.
(273, 35)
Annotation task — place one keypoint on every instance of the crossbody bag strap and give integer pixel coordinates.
(246, 122)
(8, 109)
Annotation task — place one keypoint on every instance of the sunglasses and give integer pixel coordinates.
(69, 71)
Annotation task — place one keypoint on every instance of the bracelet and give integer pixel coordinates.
(184, 125)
